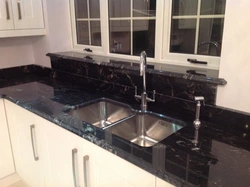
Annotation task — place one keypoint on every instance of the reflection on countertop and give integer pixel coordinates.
(223, 158)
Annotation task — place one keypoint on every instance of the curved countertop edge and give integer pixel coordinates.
(88, 134)
(105, 61)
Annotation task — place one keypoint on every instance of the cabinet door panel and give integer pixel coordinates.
(60, 144)
(28, 14)
(6, 19)
(26, 142)
(162, 183)
(6, 159)
(113, 171)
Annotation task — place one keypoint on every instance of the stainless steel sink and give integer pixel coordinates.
(101, 113)
(146, 129)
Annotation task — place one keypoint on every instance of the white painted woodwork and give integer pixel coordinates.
(54, 146)
(31, 13)
(110, 170)
(60, 144)
(234, 66)
(24, 20)
(10, 180)
(161, 183)
(24, 32)
(6, 159)
(20, 120)
(6, 20)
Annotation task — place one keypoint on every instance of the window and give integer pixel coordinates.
(132, 26)
(170, 31)
(87, 23)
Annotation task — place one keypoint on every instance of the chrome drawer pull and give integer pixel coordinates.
(74, 152)
(19, 9)
(85, 159)
(7, 10)
(32, 135)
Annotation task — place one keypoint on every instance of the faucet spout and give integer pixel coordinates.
(143, 70)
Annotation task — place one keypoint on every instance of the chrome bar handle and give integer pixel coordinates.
(32, 135)
(7, 10)
(74, 152)
(19, 9)
(85, 159)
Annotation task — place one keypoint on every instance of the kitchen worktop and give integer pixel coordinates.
(223, 158)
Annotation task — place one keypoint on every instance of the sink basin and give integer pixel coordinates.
(101, 112)
(146, 129)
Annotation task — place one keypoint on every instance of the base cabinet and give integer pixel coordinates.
(64, 158)
(47, 155)
(161, 183)
(6, 159)
(27, 142)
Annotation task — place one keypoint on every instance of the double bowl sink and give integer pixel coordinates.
(142, 128)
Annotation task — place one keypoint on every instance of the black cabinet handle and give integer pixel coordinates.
(193, 72)
(88, 57)
(88, 50)
(195, 61)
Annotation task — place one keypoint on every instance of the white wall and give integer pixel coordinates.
(32, 50)
(15, 52)
(58, 28)
(235, 57)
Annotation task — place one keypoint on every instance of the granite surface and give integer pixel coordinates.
(103, 71)
(224, 137)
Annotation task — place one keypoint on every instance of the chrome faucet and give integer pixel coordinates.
(197, 122)
(143, 68)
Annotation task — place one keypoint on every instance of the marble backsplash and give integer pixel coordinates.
(114, 76)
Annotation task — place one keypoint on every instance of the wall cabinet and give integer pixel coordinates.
(6, 159)
(21, 18)
(48, 155)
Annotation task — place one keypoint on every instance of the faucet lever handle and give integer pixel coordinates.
(200, 98)
(136, 95)
(152, 100)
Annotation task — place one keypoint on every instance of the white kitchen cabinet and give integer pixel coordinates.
(27, 143)
(162, 183)
(6, 159)
(65, 157)
(111, 170)
(21, 18)
(6, 18)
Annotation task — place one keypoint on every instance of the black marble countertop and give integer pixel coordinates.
(223, 158)
(201, 74)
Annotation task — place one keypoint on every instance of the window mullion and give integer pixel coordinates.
(104, 26)
(90, 42)
(166, 28)
(131, 27)
(159, 20)
(197, 27)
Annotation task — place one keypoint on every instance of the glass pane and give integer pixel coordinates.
(120, 37)
(210, 36)
(81, 8)
(94, 8)
(95, 27)
(119, 8)
(212, 7)
(142, 8)
(144, 37)
(183, 36)
(82, 31)
(184, 7)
